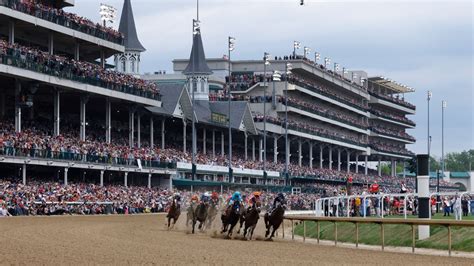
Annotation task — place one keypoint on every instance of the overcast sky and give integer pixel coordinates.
(427, 45)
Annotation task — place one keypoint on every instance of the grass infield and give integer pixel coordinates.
(395, 234)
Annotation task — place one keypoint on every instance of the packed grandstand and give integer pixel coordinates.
(79, 137)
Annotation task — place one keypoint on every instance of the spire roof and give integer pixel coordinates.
(197, 61)
(127, 27)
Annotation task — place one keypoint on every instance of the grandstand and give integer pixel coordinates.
(66, 113)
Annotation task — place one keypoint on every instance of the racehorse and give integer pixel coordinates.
(230, 218)
(274, 220)
(173, 213)
(251, 218)
(197, 213)
(211, 213)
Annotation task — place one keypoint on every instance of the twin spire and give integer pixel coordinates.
(128, 29)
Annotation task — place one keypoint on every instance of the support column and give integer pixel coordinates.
(260, 150)
(253, 149)
(77, 51)
(184, 135)
(246, 145)
(57, 112)
(149, 180)
(339, 160)
(2, 105)
(395, 168)
(379, 168)
(125, 179)
(300, 152)
(51, 43)
(152, 132)
(102, 58)
(66, 170)
(17, 107)
(163, 134)
(83, 103)
(288, 152)
(222, 144)
(102, 178)
(108, 120)
(423, 180)
(11, 31)
(357, 164)
(131, 127)
(366, 165)
(310, 155)
(320, 157)
(330, 158)
(213, 143)
(204, 141)
(348, 161)
(275, 149)
(23, 174)
(139, 130)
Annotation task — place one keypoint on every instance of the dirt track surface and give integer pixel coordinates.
(144, 240)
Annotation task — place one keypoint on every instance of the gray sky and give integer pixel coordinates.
(427, 45)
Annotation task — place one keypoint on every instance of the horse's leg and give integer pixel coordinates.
(194, 224)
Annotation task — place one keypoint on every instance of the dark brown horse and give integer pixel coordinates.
(273, 220)
(173, 214)
(251, 218)
(230, 218)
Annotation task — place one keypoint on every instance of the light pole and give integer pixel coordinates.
(317, 57)
(429, 94)
(107, 14)
(444, 104)
(193, 85)
(336, 68)
(266, 62)
(231, 47)
(296, 45)
(306, 51)
(288, 68)
(327, 61)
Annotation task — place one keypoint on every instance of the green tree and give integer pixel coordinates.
(460, 161)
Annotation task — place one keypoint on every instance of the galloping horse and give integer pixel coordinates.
(197, 213)
(173, 213)
(251, 218)
(211, 213)
(274, 220)
(230, 218)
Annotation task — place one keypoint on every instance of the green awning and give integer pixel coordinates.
(459, 175)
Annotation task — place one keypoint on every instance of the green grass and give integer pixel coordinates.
(395, 234)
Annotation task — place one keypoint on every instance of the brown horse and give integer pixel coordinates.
(173, 214)
(251, 219)
(273, 220)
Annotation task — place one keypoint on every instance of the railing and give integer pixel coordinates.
(59, 70)
(325, 114)
(390, 134)
(394, 118)
(64, 19)
(311, 88)
(382, 222)
(393, 100)
(407, 153)
(86, 158)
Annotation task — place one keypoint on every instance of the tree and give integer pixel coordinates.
(460, 161)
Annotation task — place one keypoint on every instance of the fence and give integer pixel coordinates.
(356, 221)
(341, 205)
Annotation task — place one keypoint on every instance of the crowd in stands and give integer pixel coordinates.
(396, 99)
(306, 127)
(391, 148)
(384, 130)
(399, 118)
(60, 17)
(37, 60)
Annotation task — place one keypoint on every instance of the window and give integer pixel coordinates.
(123, 65)
(132, 66)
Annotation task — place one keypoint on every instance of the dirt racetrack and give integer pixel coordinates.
(143, 239)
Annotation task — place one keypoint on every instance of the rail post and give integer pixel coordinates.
(335, 233)
(318, 230)
(382, 236)
(357, 234)
(304, 231)
(292, 231)
(283, 228)
(449, 240)
(413, 238)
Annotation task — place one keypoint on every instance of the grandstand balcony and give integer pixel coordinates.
(382, 92)
(381, 116)
(277, 127)
(392, 136)
(33, 24)
(55, 75)
(406, 154)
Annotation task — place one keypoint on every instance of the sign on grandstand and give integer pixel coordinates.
(219, 118)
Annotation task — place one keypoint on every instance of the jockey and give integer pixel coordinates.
(194, 199)
(280, 198)
(205, 197)
(177, 198)
(254, 200)
(215, 197)
(235, 199)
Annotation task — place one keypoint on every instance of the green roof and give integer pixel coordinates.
(459, 175)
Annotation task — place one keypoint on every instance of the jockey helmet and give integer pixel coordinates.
(257, 193)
